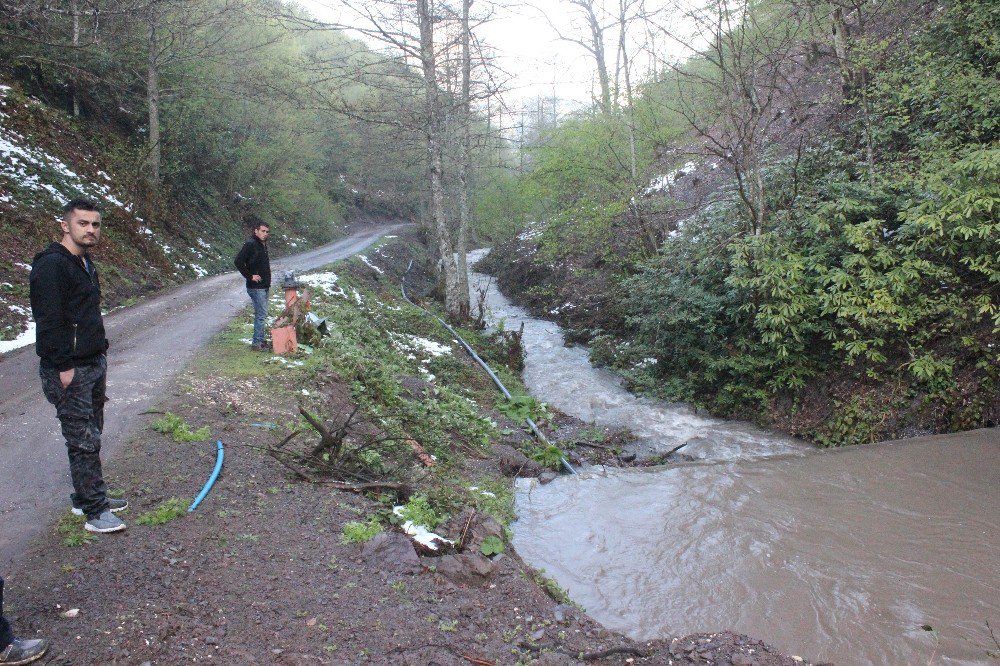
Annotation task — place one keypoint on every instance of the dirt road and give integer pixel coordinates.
(149, 344)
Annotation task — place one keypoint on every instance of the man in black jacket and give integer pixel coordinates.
(72, 346)
(254, 264)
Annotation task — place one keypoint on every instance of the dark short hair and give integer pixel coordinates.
(80, 204)
(255, 222)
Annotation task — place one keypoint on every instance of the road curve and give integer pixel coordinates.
(150, 343)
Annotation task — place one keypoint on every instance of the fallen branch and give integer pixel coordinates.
(468, 524)
(580, 654)
(676, 448)
(401, 489)
(595, 445)
(478, 661)
(421, 452)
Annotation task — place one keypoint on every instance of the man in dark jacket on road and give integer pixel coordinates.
(254, 264)
(72, 346)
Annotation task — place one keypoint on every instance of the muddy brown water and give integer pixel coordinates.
(884, 554)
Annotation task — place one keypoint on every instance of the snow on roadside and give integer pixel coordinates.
(328, 282)
(371, 265)
(26, 338)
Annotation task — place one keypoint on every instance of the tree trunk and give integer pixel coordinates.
(153, 100)
(76, 50)
(432, 120)
(597, 34)
(465, 157)
(841, 35)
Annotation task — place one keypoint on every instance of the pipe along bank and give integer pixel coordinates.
(496, 380)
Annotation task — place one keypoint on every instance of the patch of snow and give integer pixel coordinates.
(371, 265)
(26, 338)
(663, 183)
(412, 343)
(325, 281)
(420, 533)
(198, 270)
(26, 267)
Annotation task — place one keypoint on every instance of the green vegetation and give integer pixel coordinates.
(522, 407)
(179, 430)
(356, 532)
(420, 512)
(70, 528)
(491, 546)
(861, 284)
(550, 456)
(552, 588)
(167, 510)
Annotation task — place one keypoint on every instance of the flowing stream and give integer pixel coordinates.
(884, 554)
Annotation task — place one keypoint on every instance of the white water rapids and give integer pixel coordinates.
(885, 554)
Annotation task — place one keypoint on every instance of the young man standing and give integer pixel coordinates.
(72, 346)
(254, 264)
(14, 651)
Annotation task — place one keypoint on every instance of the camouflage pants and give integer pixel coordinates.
(6, 635)
(80, 409)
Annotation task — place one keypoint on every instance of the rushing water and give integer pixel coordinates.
(886, 554)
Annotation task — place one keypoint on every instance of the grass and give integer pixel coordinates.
(552, 588)
(70, 528)
(169, 510)
(179, 430)
(355, 532)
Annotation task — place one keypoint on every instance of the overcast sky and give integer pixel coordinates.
(537, 62)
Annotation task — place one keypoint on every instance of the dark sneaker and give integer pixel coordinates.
(23, 652)
(104, 523)
(114, 504)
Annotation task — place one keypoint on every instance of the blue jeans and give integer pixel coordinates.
(259, 299)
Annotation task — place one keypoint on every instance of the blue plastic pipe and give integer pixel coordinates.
(219, 456)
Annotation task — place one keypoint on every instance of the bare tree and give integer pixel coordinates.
(733, 106)
(595, 24)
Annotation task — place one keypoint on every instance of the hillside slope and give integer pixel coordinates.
(854, 298)
(46, 158)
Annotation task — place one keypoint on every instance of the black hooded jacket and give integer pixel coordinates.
(66, 305)
(253, 260)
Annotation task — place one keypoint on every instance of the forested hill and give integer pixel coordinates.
(181, 118)
(797, 224)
